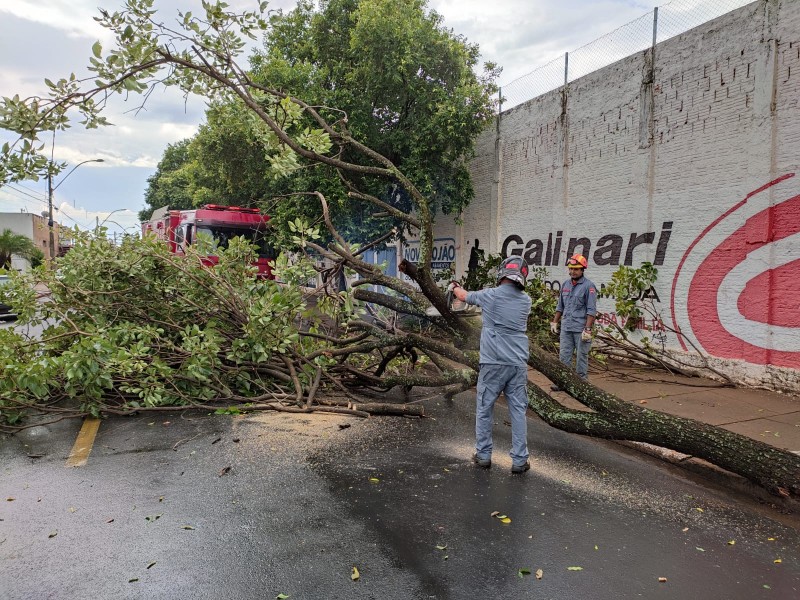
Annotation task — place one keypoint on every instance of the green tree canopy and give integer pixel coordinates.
(170, 185)
(398, 80)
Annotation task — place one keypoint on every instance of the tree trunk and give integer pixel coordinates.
(776, 470)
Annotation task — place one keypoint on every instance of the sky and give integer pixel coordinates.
(53, 38)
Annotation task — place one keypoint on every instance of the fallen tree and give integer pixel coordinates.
(256, 343)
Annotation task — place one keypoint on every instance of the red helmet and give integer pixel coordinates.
(577, 261)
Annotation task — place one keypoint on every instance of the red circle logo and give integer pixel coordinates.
(736, 292)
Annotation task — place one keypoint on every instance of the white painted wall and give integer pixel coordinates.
(705, 161)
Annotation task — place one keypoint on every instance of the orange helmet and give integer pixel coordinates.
(577, 261)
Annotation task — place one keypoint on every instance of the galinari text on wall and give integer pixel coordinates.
(734, 291)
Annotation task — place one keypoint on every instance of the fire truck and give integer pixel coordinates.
(210, 228)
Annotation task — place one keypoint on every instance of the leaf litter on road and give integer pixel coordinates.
(505, 519)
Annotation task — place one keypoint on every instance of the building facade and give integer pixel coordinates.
(31, 226)
(686, 156)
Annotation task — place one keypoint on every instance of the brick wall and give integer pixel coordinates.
(693, 165)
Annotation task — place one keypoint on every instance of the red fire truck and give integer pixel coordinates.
(210, 228)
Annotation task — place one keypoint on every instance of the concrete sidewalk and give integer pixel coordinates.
(769, 417)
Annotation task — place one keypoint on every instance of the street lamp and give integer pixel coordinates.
(97, 220)
(50, 190)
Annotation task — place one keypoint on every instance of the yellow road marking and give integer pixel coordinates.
(83, 444)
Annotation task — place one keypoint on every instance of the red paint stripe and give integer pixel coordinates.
(768, 226)
(701, 236)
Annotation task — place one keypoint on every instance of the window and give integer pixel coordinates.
(209, 238)
(180, 237)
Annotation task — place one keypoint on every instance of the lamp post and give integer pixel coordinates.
(50, 190)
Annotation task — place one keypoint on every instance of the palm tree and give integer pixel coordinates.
(15, 244)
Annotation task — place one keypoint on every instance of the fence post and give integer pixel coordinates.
(496, 204)
(655, 28)
(647, 124)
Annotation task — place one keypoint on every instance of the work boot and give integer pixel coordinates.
(481, 462)
(517, 469)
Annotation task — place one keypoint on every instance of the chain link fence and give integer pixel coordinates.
(664, 22)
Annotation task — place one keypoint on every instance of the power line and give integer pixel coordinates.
(30, 189)
(63, 214)
(24, 193)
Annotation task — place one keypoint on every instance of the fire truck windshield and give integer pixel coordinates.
(209, 238)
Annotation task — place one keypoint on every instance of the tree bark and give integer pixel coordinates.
(776, 470)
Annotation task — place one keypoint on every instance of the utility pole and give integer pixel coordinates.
(50, 190)
(50, 217)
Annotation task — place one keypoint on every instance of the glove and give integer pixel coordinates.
(554, 327)
(586, 335)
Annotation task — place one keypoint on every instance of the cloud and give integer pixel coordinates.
(116, 221)
(519, 35)
(177, 131)
(67, 16)
(16, 198)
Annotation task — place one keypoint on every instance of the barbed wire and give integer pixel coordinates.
(673, 18)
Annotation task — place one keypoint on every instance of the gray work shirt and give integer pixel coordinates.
(505, 311)
(575, 301)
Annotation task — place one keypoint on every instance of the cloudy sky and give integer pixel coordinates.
(52, 38)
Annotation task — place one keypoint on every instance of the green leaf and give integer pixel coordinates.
(281, 596)
(97, 50)
(523, 571)
(574, 568)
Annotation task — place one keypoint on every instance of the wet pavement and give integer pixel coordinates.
(188, 505)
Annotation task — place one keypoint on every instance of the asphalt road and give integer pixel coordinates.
(238, 507)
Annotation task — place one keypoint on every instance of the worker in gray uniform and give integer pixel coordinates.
(575, 315)
(503, 360)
